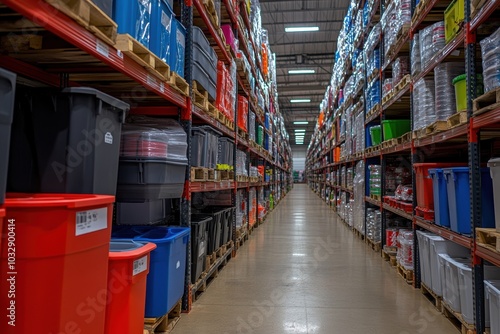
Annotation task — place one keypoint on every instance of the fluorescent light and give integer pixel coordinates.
(301, 71)
(301, 29)
(300, 100)
(301, 123)
(300, 130)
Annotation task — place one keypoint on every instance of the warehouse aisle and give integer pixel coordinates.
(303, 271)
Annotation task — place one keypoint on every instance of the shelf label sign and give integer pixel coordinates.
(91, 221)
(140, 265)
(162, 87)
(102, 48)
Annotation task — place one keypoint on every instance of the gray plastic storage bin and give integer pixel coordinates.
(494, 165)
(226, 151)
(198, 147)
(77, 140)
(7, 96)
(202, 77)
(150, 179)
(140, 213)
(198, 246)
(212, 146)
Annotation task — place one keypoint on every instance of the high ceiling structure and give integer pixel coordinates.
(313, 51)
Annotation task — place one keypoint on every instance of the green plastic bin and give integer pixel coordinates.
(260, 135)
(375, 135)
(460, 84)
(395, 128)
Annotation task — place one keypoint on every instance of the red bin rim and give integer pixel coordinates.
(133, 254)
(29, 200)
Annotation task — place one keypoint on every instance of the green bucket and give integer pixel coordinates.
(460, 84)
(375, 135)
(395, 128)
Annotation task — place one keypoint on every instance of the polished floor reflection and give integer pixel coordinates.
(303, 271)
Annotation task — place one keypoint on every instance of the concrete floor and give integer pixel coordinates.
(303, 271)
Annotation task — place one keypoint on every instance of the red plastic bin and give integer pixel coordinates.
(61, 263)
(425, 192)
(127, 276)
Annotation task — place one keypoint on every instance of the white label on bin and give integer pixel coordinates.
(456, 53)
(102, 48)
(108, 138)
(140, 265)
(91, 221)
(178, 265)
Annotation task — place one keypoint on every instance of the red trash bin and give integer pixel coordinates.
(58, 276)
(128, 271)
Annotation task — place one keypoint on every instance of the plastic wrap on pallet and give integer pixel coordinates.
(375, 179)
(358, 27)
(241, 163)
(138, 138)
(231, 40)
(431, 40)
(373, 94)
(359, 138)
(373, 38)
(444, 74)
(400, 68)
(395, 176)
(359, 196)
(405, 248)
(490, 50)
(251, 126)
(373, 224)
(387, 87)
(416, 64)
(349, 85)
(424, 103)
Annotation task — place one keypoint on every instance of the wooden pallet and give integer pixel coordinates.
(376, 246)
(376, 197)
(372, 111)
(200, 96)
(13, 43)
(226, 174)
(373, 75)
(390, 143)
(209, 275)
(164, 324)
(143, 56)
(457, 119)
(179, 84)
(407, 274)
(422, 5)
(436, 127)
(91, 17)
(253, 179)
(387, 97)
(390, 257)
(431, 296)
(210, 174)
(406, 138)
(403, 83)
(242, 133)
(476, 5)
(241, 178)
(212, 111)
(488, 238)
(457, 320)
(359, 234)
(229, 124)
(210, 260)
(199, 174)
(487, 102)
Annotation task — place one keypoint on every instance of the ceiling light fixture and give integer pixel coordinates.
(300, 130)
(300, 100)
(301, 71)
(301, 29)
(301, 123)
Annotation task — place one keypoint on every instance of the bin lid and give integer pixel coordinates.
(156, 234)
(100, 95)
(24, 200)
(129, 249)
(495, 162)
(493, 285)
(2, 213)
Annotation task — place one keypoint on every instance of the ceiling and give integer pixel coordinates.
(303, 50)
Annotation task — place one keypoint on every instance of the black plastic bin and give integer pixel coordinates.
(223, 217)
(151, 179)
(199, 147)
(141, 213)
(198, 246)
(7, 97)
(76, 141)
(214, 231)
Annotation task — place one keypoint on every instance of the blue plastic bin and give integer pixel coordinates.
(178, 47)
(457, 181)
(134, 18)
(162, 17)
(440, 190)
(368, 137)
(165, 285)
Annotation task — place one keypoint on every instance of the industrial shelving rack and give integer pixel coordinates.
(467, 140)
(101, 65)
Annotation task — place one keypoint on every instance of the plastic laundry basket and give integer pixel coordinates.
(62, 242)
(494, 165)
(127, 274)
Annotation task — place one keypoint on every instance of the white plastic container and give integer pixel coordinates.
(466, 299)
(492, 295)
(494, 165)
(439, 245)
(424, 254)
(451, 291)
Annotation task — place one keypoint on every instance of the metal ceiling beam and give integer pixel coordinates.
(302, 43)
(273, 23)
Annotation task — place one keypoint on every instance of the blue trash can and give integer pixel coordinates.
(457, 181)
(440, 190)
(165, 285)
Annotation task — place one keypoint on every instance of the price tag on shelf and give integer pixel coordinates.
(150, 80)
(162, 87)
(102, 48)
